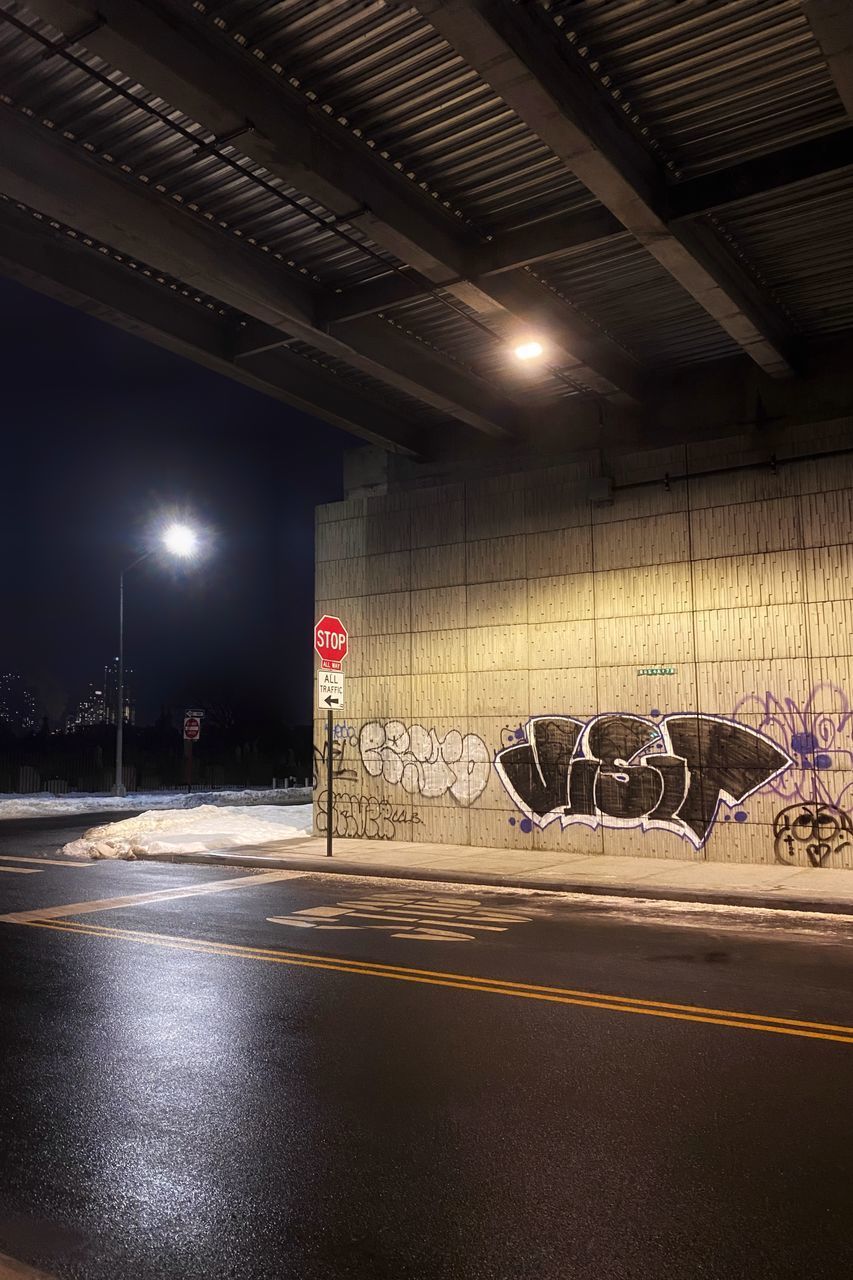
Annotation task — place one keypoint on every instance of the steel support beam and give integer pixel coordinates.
(173, 55)
(576, 232)
(78, 276)
(507, 253)
(726, 398)
(763, 175)
(48, 174)
(515, 50)
(832, 24)
(185, 60)
(540, 241)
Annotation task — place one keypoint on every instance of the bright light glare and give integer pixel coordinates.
(529, 350)
(180, 540)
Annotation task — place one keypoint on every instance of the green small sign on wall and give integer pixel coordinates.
(656, 671)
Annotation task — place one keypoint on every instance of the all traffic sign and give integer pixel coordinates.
(331, 640)
(330, 690)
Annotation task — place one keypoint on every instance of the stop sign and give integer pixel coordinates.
(331, 640)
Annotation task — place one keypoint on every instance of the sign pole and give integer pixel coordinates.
(192, 732)
(331, 642)
(330, 799)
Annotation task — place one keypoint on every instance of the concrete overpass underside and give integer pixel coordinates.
(599, 600)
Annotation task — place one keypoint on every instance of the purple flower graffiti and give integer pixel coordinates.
(819, 738)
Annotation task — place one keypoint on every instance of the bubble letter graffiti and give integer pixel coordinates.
(627, 771)
(423, 764)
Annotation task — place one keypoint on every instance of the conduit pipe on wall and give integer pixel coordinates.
(772, 463)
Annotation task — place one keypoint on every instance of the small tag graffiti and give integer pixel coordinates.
(432, 918)
(341, 770)
(627, 771)
(511, 734)
(365, 817)
(810, 834)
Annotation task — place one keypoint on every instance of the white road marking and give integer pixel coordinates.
(47, 862)
(141, 899)
(407, 915)
(430, 934)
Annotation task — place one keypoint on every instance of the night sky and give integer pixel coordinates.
(104, 434)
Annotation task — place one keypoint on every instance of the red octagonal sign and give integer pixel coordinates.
(331, 640)
(192, 728)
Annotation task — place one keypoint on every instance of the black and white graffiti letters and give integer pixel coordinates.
(364, 817)
(809, 834)
(627, 771)
(423, 764)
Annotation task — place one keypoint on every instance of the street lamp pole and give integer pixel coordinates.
(179, 541)
(118, 786)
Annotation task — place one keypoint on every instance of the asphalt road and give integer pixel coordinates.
(44, 837)
(277, 1075)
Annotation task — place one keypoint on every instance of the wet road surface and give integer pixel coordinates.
(210, 1073)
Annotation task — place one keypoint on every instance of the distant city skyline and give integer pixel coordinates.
(98, 704)
(22, 709)
(18, 708)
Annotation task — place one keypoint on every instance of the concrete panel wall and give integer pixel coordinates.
(667, 675)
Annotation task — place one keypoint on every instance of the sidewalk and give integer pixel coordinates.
(680, 880)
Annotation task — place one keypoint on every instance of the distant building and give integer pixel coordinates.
(98, 704)
(17, 703)
(110, 694)
(90, 710)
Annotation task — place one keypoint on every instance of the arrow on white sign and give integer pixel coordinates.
(330, 690)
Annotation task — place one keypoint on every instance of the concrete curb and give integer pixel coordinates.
(389, 871)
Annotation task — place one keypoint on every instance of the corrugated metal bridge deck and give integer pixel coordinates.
(361, 205)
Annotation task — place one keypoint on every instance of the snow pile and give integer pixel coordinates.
(208, 827)
(45, 805)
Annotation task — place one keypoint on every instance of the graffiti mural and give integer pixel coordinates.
(423, 764)
(809, 834)
(627, 771)
(340, 769)
(818, 736)
(364, 817)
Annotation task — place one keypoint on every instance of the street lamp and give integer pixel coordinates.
(182, 542)
(529, 350)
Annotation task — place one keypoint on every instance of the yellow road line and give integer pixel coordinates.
(315, 958)
(464, 982)
(140, 899)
